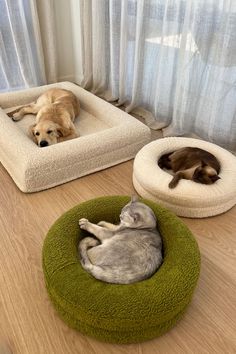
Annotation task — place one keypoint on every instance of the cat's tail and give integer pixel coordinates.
(85, 244)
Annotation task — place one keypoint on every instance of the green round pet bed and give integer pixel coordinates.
(119, 313)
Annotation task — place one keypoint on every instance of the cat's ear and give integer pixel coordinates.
(134, 198)
(136, 217)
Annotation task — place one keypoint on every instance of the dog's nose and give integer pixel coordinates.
(43, 143)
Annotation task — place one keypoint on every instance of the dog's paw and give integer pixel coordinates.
(16, 116)
(83, 223)
(10, 114)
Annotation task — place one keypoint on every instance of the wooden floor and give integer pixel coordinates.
(28, 322)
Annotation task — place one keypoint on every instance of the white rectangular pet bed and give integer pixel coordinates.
(108, 136)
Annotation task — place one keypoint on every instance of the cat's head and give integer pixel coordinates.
(205, 175)
(137, 215)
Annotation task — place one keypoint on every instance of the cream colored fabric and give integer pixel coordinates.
(188, 199)
(108, 136)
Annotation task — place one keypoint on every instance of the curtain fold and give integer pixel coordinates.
(46, 34)
(174, 58)
(27, 45)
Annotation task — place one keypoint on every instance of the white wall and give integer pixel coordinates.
(64, 40)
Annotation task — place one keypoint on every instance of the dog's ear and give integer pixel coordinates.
(31, 133)
(61, 131)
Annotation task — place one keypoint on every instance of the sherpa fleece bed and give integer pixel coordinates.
(108, 136)
(189, 199)
(119, 313)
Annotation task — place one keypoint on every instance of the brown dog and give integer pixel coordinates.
(55, 110)
(191, 163)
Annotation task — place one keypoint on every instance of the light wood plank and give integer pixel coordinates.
(28, 322)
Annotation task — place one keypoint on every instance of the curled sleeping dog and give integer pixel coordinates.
(124, 253)
(191, 163)
(55, 110)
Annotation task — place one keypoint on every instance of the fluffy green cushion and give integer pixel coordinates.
(119, 313)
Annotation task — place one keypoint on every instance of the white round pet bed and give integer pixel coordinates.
(189, 199)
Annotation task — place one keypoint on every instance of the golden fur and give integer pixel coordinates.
(55, 110)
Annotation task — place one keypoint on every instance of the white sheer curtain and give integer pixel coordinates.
(27, 44)
(175, 58)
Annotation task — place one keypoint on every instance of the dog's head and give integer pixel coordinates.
(45, 133)
(205, 175)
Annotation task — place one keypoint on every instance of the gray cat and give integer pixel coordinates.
(124, 253)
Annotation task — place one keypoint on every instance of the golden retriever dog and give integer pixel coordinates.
(191, 163)
(55, 110)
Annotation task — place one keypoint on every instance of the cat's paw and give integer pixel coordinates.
(173, 184)
(83, 223)
(102, 223)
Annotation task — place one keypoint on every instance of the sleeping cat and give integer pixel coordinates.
(191, 163)
(124, 253)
